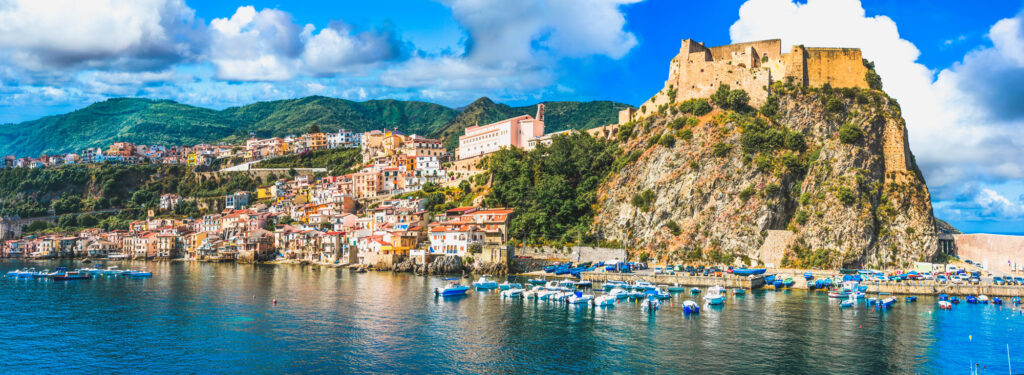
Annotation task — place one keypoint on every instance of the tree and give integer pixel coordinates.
(314, 128)
(770, 106)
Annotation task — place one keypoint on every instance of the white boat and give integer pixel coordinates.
(618, 293)
(945, 305)
(547, 295)
(505, 286)
(533, 292)
(512, 293)
(483, 283)
(553, 285)
(651, 305)
(849, 301)
(715, 295)
(983, 298)
(604, 301)
(580, 298)
(690, 307)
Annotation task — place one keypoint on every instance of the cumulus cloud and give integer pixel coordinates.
(522, 31)
(962, 120)
(105, 34)
(267, 45)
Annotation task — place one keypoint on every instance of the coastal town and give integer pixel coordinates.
(359, 218)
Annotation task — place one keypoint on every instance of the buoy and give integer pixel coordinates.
(275, 301)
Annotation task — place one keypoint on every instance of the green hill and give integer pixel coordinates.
(164, 122)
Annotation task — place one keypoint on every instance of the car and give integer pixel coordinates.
(975, 281)
(941, 279)
(998, 281)
(968, 261)
(927, 276)
(1019, 280)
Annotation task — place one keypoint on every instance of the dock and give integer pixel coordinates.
(726, 281)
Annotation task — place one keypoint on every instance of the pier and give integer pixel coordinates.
(727, 281)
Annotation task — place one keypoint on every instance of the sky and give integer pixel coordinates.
(956, 67)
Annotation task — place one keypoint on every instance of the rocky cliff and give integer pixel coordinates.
(819, 177)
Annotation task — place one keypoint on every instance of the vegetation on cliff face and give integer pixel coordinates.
(164, 122)
(552, 188)
(811, 161)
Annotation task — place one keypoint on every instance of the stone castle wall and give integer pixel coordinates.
(698, 71)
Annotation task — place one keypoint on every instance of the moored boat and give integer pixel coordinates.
(651, 304)
(690, 307)
(512, 293)
(618, 293)
(537, 281)
(715, 295)
(739, 291)
(983, 299)
(452, 289)
(945, 305)
(808, 275)
(749, 271)
(71, 275)
(483, 283)
(604, 301)
(580, 298)
(997, 301)
(676, 288)
(1016, 300)
(694, 290)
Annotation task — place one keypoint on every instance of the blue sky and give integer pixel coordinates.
(956, 67)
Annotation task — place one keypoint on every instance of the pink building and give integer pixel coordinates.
(513, 132)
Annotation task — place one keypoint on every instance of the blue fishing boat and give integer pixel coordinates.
(954, 300)
(695, 290)
(1016, 300)
(788, 282)
(739, 291)
(452, 289)
(537, 281)
(779, 284)
(997, 301)
(676, 288)
(972, 299)
(715, 295)
(808, 275)
(769, 279)
(748, 271)
(911, 299)
(943, 297)
(141, 274)
(690, 307)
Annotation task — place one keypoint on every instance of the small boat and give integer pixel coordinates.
(945, 305)
(512, 293)
(505, 285)
(808, 276)
(695, 290)
(739, 291)
(537, 281)
(779, 284)
(848, 302)
(604, 301)
(483, 283)
(659, 293)
(997, 301)
(690, 307)
(943, 297)
(1016, 300)
(676, 288)
(580, 298)
(452, 289)
(651, 304)
(584, 284)
(618, 293)
(609, 285)
(768, 279)
(715, 295)
(911, 299)
(887, 302)
(788, 282)
(547, 294)
(749, 271)
(72, 275)
(532, 293)
(635, 295)
(955, 300)
(568, 284)
(983, 299)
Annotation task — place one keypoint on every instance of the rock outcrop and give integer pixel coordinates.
(832, 166)
(444, 265)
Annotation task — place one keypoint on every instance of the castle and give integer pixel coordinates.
(697, 71)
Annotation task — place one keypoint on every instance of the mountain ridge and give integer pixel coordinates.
(166, 122)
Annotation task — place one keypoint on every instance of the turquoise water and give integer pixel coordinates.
(220, 318)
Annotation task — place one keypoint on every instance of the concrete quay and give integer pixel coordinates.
(726, 281)
(933, 288)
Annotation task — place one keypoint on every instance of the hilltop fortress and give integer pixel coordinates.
(697, 71)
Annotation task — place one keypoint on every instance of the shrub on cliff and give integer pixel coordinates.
(850, 134)
(673, 227)
(726, 98)
(873, 79)
(667, 140)
(770, 106)
(721, 149)
(644, 199)
(696, 107)
(846, 195)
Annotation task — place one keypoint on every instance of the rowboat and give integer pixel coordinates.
(690, 307)
(748, 271)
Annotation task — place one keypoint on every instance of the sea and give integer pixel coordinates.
(212, 318)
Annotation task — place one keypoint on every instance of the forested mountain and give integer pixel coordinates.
(164, 122)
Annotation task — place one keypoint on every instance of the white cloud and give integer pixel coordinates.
(956, 137)
(522, 32)
(267, 45)
(121, 34)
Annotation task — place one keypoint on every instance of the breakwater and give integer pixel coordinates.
(727, 281)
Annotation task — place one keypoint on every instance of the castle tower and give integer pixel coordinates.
(540, 112)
